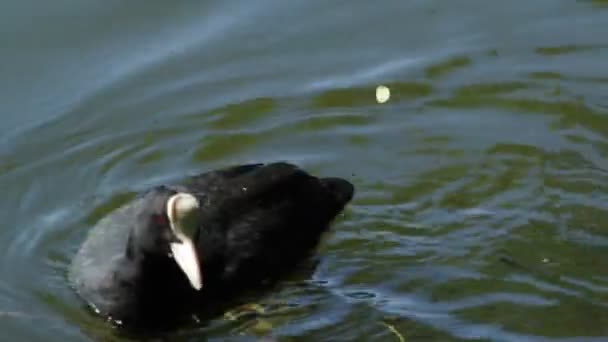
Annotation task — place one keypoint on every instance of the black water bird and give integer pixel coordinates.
(178, 247)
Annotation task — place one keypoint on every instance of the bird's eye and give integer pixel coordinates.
(160, 220)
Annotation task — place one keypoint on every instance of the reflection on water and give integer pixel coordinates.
(481, 182)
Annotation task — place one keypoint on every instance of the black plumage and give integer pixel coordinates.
(254, 223)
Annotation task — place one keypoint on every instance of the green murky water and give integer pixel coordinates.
(481, 206)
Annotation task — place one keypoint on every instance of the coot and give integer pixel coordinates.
(177, 247)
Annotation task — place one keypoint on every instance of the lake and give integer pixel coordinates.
(481, 206)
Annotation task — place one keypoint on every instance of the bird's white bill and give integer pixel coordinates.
(181, 210)
(185, 256)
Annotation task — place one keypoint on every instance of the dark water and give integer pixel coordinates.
(482, 189)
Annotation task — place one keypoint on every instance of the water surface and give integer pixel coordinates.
(480, 209)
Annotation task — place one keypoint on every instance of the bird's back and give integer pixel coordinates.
(260, 220)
